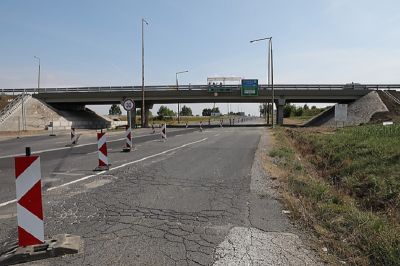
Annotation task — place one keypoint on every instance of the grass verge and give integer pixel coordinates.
(345, 185)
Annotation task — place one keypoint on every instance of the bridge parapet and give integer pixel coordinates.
(204, 87)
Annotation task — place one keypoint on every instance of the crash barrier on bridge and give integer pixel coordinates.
(29, 200)
(102, 152)
(164, 132)
(128, 139)
(31, 243)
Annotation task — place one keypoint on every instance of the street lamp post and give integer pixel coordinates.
(177, 88)
(143, 115)
(270, 73)
(38, 84)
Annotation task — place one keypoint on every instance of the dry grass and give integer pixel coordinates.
(351, 232)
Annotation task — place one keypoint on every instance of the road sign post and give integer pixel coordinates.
(249, 87)
(129, 105)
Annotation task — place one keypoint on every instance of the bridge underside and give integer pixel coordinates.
(68, 100)
(197, 96)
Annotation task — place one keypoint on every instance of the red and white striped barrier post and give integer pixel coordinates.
(102, 152)
(164, 132)
(73, 136)
(128, 140)
(29, 200)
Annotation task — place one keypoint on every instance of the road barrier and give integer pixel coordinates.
(102, 152)
(29, 200)
(73, 136)
(164, 132)
(128, 139)
(32, 245)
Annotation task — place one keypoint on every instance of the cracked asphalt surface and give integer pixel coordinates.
(201, 204)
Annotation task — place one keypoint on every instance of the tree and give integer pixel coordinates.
(206, 112)
(305, 107)
(287, 110)
(114, 110)
(215, 110)
(298, 111)
(186, 111)
(165, 111)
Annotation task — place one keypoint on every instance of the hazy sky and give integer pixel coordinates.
(97, 43)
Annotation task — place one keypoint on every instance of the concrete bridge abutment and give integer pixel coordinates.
(280, 103)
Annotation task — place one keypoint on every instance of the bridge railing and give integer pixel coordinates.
(205, 88)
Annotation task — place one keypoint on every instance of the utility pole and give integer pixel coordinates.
(38, 85)
(177, 88)
(143, 115)
(270, 74)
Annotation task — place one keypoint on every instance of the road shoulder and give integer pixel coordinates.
(269, 238)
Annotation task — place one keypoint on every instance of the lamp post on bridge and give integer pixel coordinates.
(38, 84)
(177, 88)
(143, 111)
(270, 73)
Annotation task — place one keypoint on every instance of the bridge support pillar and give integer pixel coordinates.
(147, 114)
(133, 117)
(279, 111)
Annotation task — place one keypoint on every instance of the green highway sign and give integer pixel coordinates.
(249, 87)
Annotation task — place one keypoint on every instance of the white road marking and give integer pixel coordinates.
(64, 148)
(7, 202)
(126, 164)
(216, 135)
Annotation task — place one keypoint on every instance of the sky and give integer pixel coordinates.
(98, 43)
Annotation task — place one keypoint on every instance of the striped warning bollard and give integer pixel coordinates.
(29, 200)
(102, 151)
(164, 132)
(128, 139)
(73, 136)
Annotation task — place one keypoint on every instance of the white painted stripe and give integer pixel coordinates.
(65, 148)
(30, 222)
(7, 202)
(28, 178)
(126, 164)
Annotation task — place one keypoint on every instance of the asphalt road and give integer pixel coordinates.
(200, 198)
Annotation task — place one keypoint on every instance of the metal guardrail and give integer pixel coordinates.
(206, 87)
(12, 106)
(391, 96)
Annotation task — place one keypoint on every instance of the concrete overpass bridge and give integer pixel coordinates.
(78, 97)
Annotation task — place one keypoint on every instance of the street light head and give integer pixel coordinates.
(143, 20)
(262, 39)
